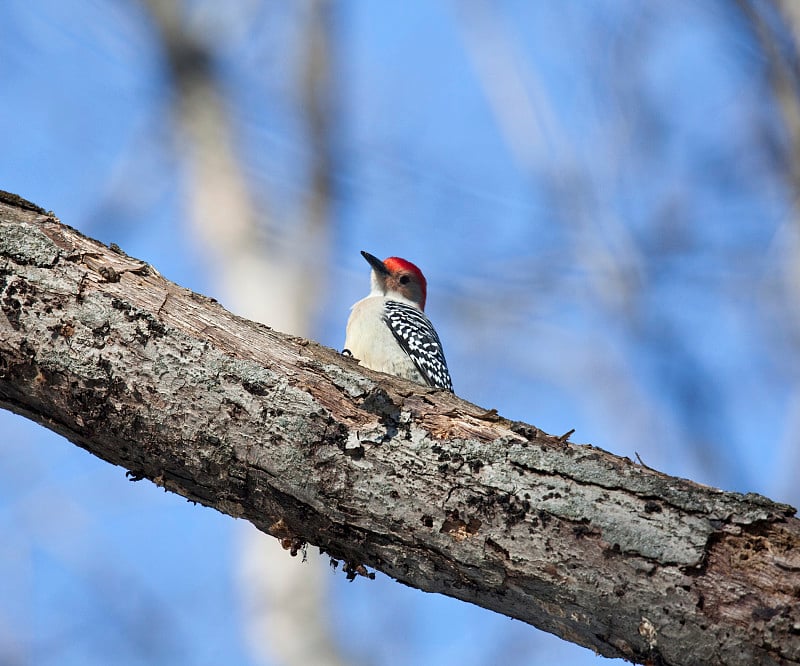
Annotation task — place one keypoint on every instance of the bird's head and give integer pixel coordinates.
(398, 276)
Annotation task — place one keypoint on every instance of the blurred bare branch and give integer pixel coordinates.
(782, 68)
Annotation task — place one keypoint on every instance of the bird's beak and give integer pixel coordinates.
(377, 265)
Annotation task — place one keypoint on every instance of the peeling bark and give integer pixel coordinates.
(378, 472)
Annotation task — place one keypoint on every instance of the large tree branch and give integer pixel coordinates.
(378, 472)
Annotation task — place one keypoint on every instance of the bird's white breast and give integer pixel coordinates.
(370, 341)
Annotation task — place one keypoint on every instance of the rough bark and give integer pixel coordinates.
(436, 492)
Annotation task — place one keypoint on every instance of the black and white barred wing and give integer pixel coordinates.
(416, 335)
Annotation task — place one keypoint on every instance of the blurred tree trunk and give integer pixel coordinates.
(780, 43)
(436, 492)
(268, 270)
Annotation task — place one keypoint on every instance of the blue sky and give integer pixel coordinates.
(593, 190)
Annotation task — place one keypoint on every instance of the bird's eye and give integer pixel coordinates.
(404, 279)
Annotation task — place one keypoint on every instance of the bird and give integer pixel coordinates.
(388, 330)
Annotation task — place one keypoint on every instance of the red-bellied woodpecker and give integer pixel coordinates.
(388, 330)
